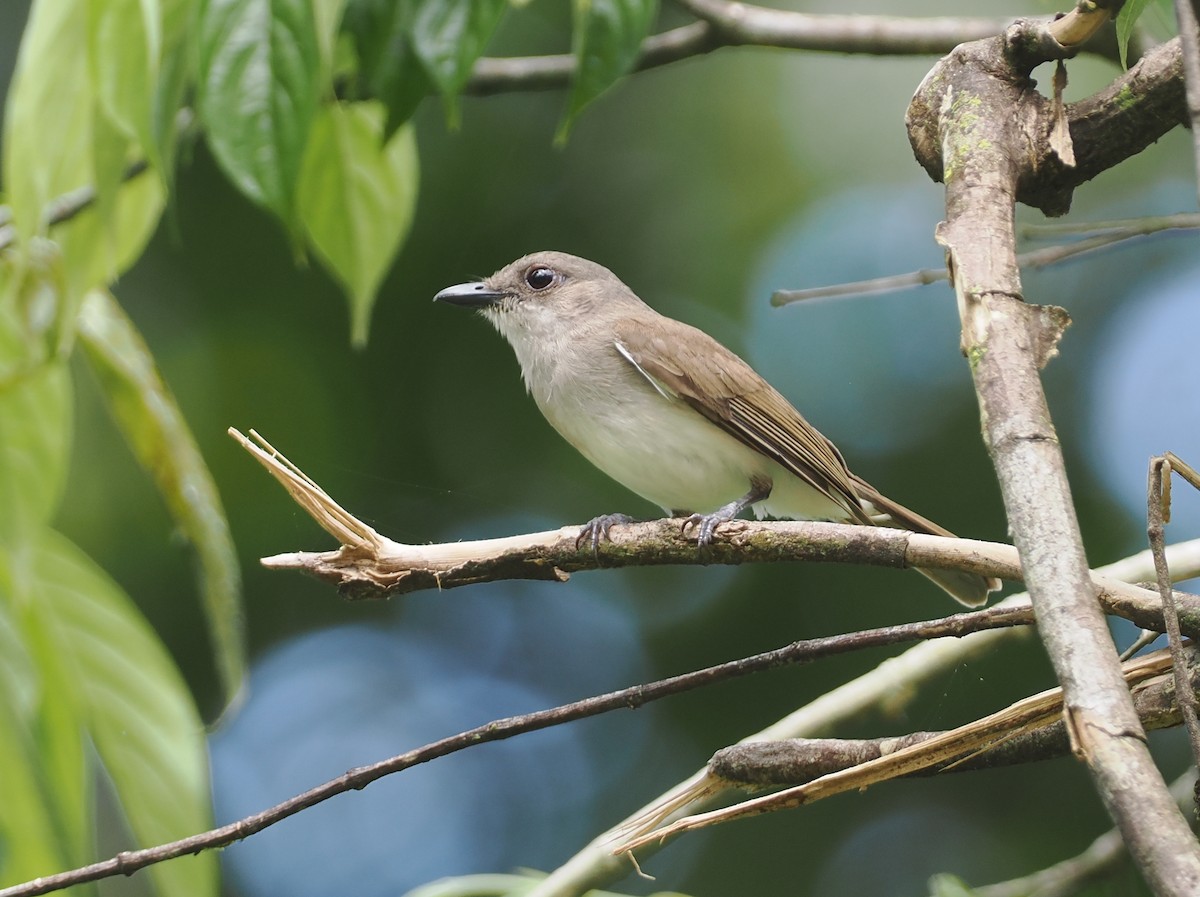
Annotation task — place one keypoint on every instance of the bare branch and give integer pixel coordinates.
(938, 749)
(128, 862)
(744, 24)
(732, 25)
(1082, 23)
(974, 121)
(1115, 234)
(772, 764)
(1132, 112)
(369, 565)
(1158, 499)
(888, 685)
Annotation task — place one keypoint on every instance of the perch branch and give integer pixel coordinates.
(371, 565)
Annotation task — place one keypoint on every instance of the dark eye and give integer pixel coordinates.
(539, 277)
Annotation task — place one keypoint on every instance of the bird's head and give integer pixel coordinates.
(543, 295)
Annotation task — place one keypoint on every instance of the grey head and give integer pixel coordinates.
(543, 295)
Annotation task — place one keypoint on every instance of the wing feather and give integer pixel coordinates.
(697, 370)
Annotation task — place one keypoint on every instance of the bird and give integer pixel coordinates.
(671, 414)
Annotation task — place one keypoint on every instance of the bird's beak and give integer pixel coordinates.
(471, 295)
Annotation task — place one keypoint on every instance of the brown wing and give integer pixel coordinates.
(903, 517)
(689, 364)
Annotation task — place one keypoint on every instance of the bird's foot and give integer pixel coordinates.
(597, 528)
(706, 524)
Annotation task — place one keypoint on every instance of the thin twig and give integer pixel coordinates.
(63, 208)
(1158, 499)
(1117, 233)
(1185, 470)
(128, 862)
(1146, 224)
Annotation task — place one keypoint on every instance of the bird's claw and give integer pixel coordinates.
(597, 528)
(706, 526)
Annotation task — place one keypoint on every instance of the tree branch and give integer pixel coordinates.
(369, 565)
(891, 685)
(1158, 512)
(737, 25)
(1132, 112)
(805, 651)
(977, 115)
(1045, 256)
(773, 764)
(922, 755)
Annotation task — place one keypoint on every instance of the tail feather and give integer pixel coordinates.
(969, 589)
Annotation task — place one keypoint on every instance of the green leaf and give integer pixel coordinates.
(134, 704)
(155, 428)
(98, 249)
(35, 443)
(177, 70)
(86, 269)
(606, 38)
(449, 35)
(57, 140)
(389, 69)
(407, 48)
(48, 118)
(946, 885)
(1126, 20)
(32, 288)
(357, 196)
(178, 18)
(327, 16)
(45, 791)
(125, 43)
(260, 68)
(33, 840)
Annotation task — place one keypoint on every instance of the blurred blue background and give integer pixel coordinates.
(705, 186)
